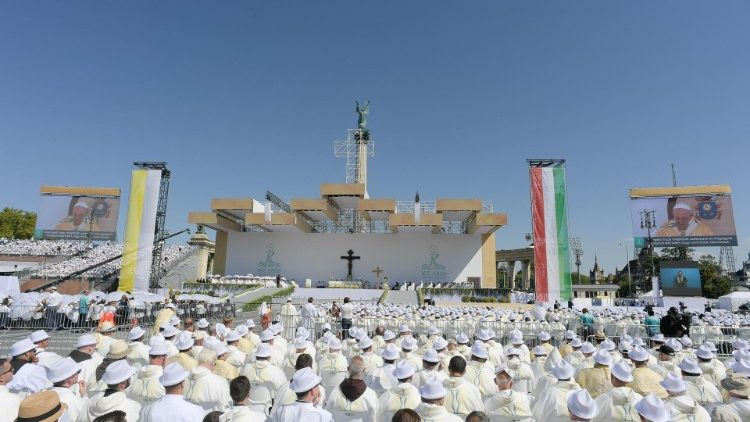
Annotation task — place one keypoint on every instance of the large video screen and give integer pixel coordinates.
(78, 214)
(680, 278)
(687, 220)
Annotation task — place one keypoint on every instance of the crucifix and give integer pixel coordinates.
(350, 257)
(377, 272)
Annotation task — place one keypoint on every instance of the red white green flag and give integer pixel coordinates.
(550, 224)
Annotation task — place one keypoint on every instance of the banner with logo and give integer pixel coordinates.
(139, 230)
(550, 224)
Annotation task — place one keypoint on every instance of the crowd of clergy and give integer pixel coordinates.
(405, 364)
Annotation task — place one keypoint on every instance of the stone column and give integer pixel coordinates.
(510, 273)
(526, 274)
(205, 247)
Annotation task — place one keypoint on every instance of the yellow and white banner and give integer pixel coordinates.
(139, 230)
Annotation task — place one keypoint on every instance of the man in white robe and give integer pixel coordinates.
(137, 350)
(172, 406)
(507, 405)
(433, 397)
(240, 411)
(699, 388)
(44, 357)
(463, 397)
(262, 372)
(352, 399)
(403, 395)
(306, 386)
(289, 318)
(681, 406)
(9, 401)
(206, 389)
(380, 379)
(552, 403)
(117, 379)
(479, 372)
(145, 387)
(63, 374)
(618, 404)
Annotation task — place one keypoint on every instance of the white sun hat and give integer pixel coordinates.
(136, 333)
(673, 383)
(479, 350)
(184, 341)
(403, 370)
(85, 340)
(690, 366)
(440, 343)
(39, 335)
(117, 372)
(581, 404)
(173, 374)
(62, 369)
(622, 371)
(563, 370)
(159, 349)
(652, 408)
(431, 356)
(304, 380)
(433, 389)
(409, 343)
(264, 350)
(364, 343)
(20, 347)
(638, 354)
(388, 335)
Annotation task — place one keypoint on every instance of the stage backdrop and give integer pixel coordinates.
(401, 256)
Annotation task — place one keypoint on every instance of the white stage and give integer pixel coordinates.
(401, 256)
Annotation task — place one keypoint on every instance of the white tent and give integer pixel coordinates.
(732, 301)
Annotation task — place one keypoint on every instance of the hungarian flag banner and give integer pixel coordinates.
(549, 218)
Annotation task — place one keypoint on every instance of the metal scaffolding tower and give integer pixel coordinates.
(350, 149)
(727, 265)
(161, 217)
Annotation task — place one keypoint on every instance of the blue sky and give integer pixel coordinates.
(240, 97)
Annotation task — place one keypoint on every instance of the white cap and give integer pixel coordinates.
(607, 345)
(233, 335)
(304, 380)
(624, 346)
(462, 338)
(483, 334)
(365, 342)
(479, 350)
(184, 341)
(544, 336)
(20, 347)
(335, 344)
(431, 356)
(603, 358)
(622, 371)
(173, 374)
(516, 337)
(155, 339)
(403, 328)
(218, 347)
(742, 366)
(250, 323)
(403, 370)
(169, 331)
(203, 323)
(390, 352)
(266, 335)
(159, 349)
(673, 383)
(690, 366)
(704, 352)
(117, 372)
(136, 333)
(638, 354)
(62, 369)
(242, 329)
(432, 389)
(540, 351)
(39, 335)
(264, 350)
(563, 370)
(581, 404)
(674, 344)
(652, 408)
(440, 343)
(300, 343)
(388, 335)
(409, 343)
(85, 340)
(576, 343)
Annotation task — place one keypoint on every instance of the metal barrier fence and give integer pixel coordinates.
(723, 341)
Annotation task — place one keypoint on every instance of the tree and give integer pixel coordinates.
(714, 284)
(17, 224)
(677, 254)
(574, 278)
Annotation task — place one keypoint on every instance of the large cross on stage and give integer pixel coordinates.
(350, 257)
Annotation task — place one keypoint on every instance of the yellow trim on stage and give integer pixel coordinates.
(133, 230)
(680, 191)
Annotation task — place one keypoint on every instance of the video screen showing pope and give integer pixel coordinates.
(693, 216)
(77, 214)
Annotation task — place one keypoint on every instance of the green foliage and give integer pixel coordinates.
(676, 254)
(584, 278)
(714, 284)
(476, 299)
(17, 224)
(255, 304)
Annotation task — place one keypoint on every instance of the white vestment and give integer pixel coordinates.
(172, 408)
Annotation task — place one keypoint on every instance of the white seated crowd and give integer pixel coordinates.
(31, 247)
(170, 254)
(387, 363)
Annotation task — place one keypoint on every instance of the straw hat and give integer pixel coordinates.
(118, 349)
(44, 406)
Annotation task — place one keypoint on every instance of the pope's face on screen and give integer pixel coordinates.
(79, 213)
(682, 218)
